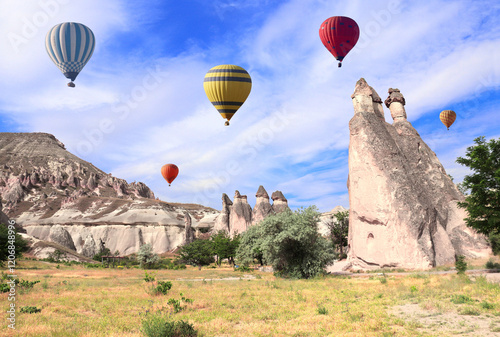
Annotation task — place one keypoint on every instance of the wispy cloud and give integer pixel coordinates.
(139, 104)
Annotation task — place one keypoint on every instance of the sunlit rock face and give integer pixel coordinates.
(45, 189)
(403, 209)
(236, 217)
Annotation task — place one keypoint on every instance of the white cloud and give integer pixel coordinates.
(134, 110)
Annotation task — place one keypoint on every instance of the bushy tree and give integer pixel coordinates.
(483, 201)
(224, 247)
(339, 230)
(146, 257)
(198, 252)
(290, 242)
(6, 239)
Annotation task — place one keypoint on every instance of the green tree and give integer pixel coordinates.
(146, 257)
(198, 252)
(339, 230)
(224, 247)
(483, 201)
(6, 240)
(290, 242)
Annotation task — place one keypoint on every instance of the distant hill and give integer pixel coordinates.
(42, 184)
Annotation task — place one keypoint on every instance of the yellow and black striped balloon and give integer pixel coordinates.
(227, 87)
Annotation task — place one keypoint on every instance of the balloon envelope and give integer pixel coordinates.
(447, 117)
(70, 46)
(227, 87)
(339, 34)
(169, 172)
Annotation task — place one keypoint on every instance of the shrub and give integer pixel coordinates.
(492, 265)
(199, 253)
(290, 242)
(176, 304)
(27, 284)
(146, 257)
(461, 299)
(157, 325)
(148, 277)
(322, 310)
(163, 287)
(461, 265)
(30, 310)
(4, 288)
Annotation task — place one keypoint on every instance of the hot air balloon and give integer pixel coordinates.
(339, 34)
(169, 172)
(70, 46)
(227, 87)
(447, 117)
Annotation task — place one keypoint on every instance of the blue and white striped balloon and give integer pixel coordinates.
(70, 45)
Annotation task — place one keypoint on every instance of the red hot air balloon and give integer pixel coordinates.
(339, 34)
(169, 172)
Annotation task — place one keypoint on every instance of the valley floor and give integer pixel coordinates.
(76, 301)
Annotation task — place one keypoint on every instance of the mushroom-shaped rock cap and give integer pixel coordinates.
(261, 192)
(277, 195)
(226, 200)
(394, 96)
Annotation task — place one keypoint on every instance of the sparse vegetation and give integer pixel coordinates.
(30, 310)
(81, 301)
(461, 265)
(146, 257)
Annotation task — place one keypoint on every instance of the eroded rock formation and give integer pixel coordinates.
(43, 185)
(238, 216)
(403, 209)
(262, 206)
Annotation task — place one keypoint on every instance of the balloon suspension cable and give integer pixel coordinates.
(71, 84)
(226, 123)
(340, 64)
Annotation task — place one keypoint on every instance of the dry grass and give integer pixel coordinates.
(110, 302)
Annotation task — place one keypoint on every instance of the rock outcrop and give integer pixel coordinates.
(262, 206)
(4, 219)
(188, 230)
(61, 236)
(403, 209)
(238, 216)
(280, 204)
(90, 248)
(222, 220)
(43, 185)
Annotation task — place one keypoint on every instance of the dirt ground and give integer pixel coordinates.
(448, 323)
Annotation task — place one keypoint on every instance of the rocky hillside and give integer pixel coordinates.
(43, 185)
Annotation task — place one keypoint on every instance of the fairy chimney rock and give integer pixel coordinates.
(240, 216)
(395, 102)
(366, 99)
(262, 207)
(222, 220)
(280, 204)
(402, 203)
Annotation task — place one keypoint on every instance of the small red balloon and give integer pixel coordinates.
(339, 34)
(169, 172)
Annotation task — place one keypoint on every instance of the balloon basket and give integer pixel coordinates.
(226, 123)
(340, 64)
(71, 84)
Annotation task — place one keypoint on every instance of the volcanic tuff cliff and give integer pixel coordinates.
(237, 216)
(42, 185)
(403, 205)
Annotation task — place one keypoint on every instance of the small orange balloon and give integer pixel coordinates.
(169, 172)
(448, 117)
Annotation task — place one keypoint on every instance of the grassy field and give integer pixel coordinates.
(76, 301)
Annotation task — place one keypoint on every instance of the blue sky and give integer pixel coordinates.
(139, 103)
